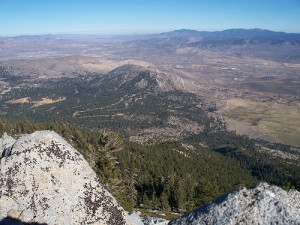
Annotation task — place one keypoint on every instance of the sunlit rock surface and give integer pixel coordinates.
(263, 204)
(44, 179)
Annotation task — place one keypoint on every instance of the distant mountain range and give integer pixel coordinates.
(259, 43)
(231, 33)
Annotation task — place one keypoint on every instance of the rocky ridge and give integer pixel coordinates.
(264, 204)
(133, 77)
(43, 179)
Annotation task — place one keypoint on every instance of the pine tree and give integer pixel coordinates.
(110, 142)
(190, 192)
(179, 195)
(164, 202)
(146, 201)
(205, 191)
(131, 192)
(155, 201)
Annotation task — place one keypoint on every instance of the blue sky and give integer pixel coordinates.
(145, 16)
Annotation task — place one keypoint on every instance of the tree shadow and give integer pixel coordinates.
(12, 221)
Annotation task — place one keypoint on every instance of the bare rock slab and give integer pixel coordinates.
(264, 204)
(43, 179)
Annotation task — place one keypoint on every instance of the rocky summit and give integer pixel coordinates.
(264, 204)
(44, 180)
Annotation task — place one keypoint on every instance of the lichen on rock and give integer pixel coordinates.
(44, 179)
(264, 204)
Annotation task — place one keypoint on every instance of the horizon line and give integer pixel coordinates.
(136, 32)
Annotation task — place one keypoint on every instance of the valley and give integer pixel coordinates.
(272, 121)
(214, 69)
(186, 115)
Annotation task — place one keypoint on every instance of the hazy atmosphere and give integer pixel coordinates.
(19, 17)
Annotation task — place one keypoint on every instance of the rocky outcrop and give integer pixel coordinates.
(43, 179)
(136, 219)
(263, 204)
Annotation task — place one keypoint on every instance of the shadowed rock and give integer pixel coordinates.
(12, 221)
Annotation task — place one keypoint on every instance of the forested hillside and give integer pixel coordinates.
(172, 176)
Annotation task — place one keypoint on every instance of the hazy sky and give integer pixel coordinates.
(140, 16)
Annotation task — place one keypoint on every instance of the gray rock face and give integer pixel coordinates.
(264, 204)
(44, 179)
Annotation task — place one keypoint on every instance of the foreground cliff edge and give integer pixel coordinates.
(263, 204)
(43, 179)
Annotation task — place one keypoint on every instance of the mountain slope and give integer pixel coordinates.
(134, 78)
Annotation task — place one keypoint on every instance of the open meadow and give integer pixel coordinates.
(275, 122)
